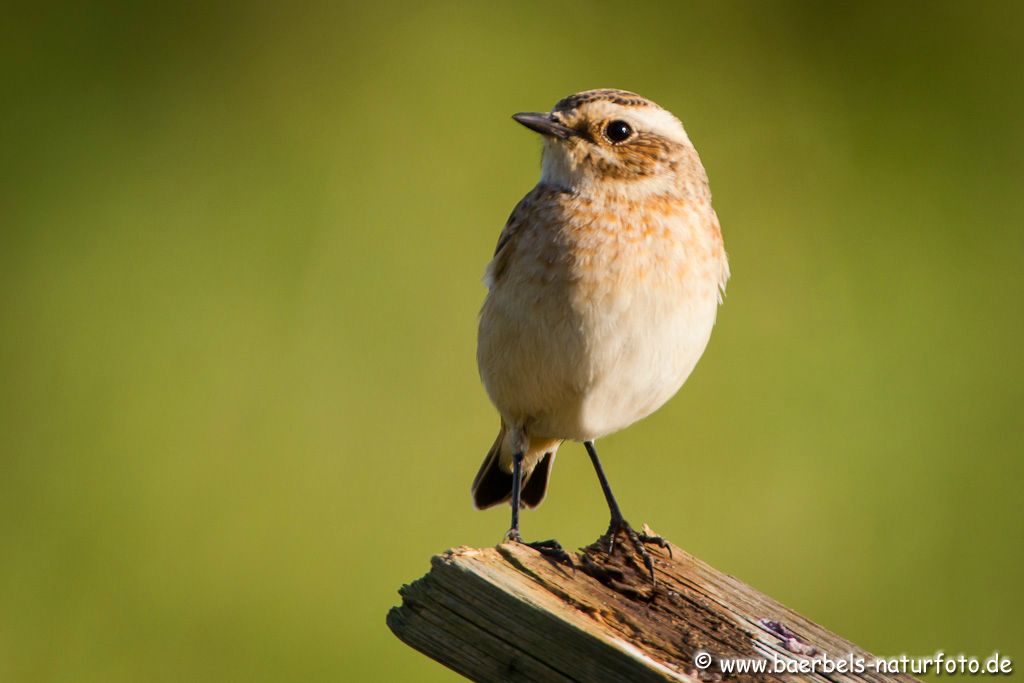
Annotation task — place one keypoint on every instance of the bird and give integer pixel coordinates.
(602, 294)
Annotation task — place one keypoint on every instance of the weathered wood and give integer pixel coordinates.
(511, 614)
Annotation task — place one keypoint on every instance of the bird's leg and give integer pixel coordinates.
(618, 522)
(517, 490)
(550, 548)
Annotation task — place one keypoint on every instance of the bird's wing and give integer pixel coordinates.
(506, 247)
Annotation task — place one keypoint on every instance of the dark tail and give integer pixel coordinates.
(493, 485)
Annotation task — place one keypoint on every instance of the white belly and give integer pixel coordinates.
(636, 362)
(579, 368)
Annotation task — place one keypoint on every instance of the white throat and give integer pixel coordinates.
(558, 170)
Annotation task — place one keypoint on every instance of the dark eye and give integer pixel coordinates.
(617, 131)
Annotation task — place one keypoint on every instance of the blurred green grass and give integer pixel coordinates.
(240, 260)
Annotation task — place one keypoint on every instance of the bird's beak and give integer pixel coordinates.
(545, 124)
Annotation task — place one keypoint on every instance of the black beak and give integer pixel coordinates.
(545, 124)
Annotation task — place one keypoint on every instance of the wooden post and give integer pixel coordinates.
(511, 614)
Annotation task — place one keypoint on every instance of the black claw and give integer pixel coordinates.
(549, 548)
(553, 549)
(658, 541)
(638, 540)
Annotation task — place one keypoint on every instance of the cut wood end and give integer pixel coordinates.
(510, 613)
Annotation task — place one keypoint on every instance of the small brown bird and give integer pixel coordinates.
(603, 291)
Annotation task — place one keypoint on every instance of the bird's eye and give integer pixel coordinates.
(617, 131)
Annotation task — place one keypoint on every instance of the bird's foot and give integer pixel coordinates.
(549, 548)
(638, 539)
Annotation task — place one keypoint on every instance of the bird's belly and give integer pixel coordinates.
(634, 362)
(577, 347)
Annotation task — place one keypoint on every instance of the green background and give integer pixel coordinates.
(240, 266)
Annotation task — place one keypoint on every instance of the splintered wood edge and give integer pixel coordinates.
(508, 613)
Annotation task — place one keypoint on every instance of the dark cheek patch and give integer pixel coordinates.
(643, 156)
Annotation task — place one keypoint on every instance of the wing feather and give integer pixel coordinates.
(506, 246)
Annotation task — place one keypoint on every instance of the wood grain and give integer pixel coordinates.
(510, 614)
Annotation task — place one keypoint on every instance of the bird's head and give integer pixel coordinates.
(613, 140)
